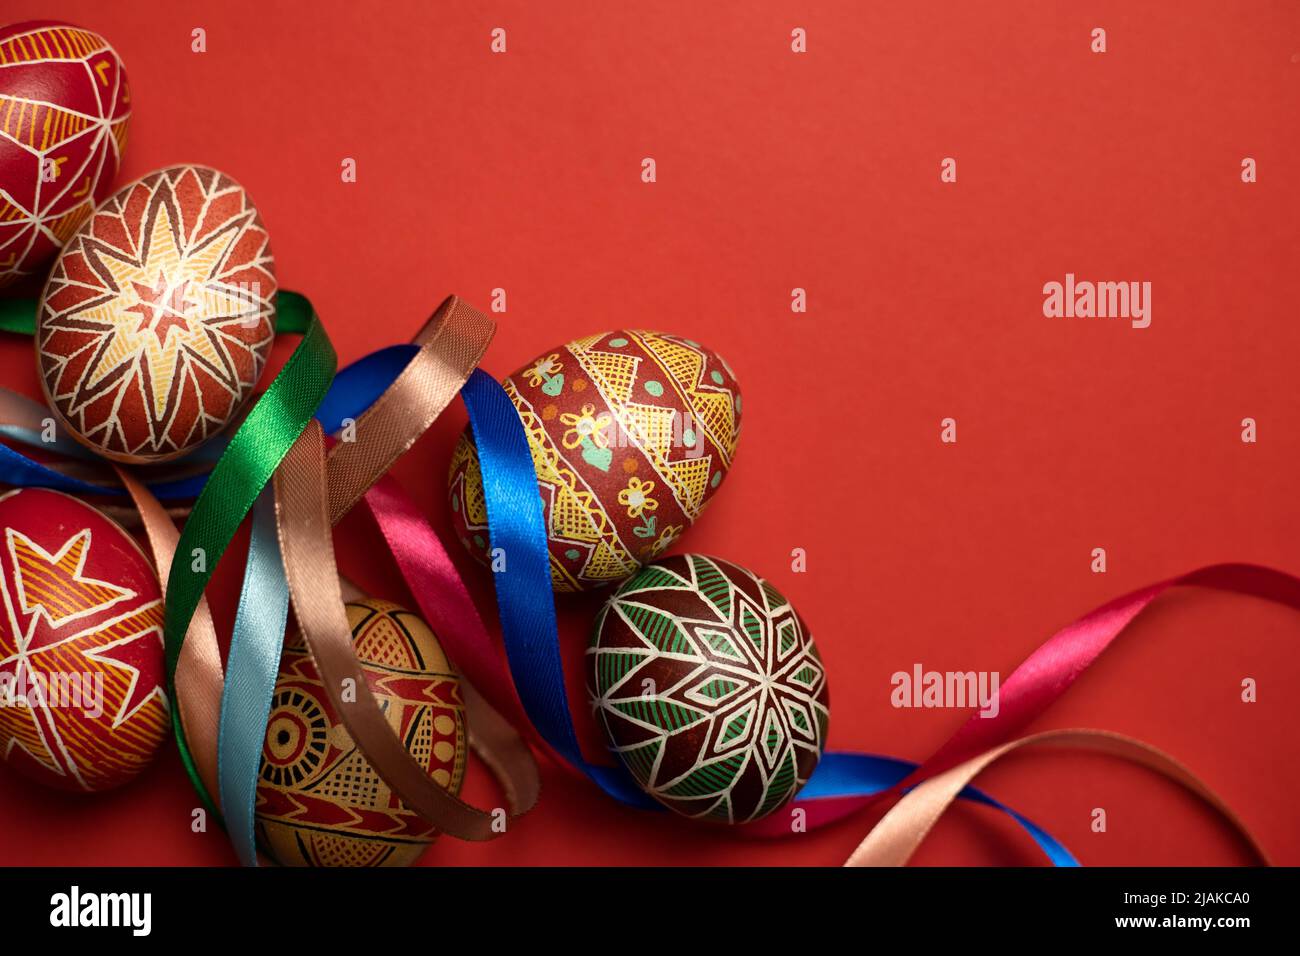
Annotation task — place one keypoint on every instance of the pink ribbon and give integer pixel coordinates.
(1031, 688)
(1045, 675)
(444, 601)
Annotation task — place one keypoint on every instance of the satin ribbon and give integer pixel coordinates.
(1043, 676)
(163, 540)
(898, 834)
(443, 600)
(523, 585)
(252, 666)
(252, 456)
(17, 469)
(396, 412)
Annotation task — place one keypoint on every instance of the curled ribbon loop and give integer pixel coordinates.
(306, 545)
(448, 347)
(895, 838)
(250, 459)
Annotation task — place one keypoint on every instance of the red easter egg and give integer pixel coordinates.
(64, 109)
(158, 316)
(709, 687)
(82, 705)
(631, 434)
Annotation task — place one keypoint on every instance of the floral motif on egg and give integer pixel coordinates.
(81, 645)
(320, 802)
(631, 434)
(156, 322)
(64, 110)
(709, 687)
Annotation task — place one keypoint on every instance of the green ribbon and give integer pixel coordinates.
(292, 314)
(243, 470)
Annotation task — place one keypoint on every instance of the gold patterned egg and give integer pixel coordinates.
(631, 434)
(319, 800)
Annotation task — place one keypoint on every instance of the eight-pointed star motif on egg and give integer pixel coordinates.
(162, 307)
(159, 282)
(158, 317)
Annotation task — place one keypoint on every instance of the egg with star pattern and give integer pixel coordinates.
(82, 705)
(709, 688)
(157, 319)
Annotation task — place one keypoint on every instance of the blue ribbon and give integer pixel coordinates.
(523, 583)
(524, 596)
(251, 670)
(355, 389)
(527, 608)
(843, 774)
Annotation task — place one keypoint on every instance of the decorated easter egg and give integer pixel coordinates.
(709, 688)
(631, 434)
(82, 705)
(64, 109)
(157, 319)
(319, 800)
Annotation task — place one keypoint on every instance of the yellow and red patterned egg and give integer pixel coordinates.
(64, 109)
(709, 687)
(82, 705)
(319, 800)
(158, 317)
(631, 434)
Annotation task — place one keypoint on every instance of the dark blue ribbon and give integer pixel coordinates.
(525, 598)
(526, 604)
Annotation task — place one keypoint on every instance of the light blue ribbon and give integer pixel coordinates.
(524, 596)
(253, 662)
(251, 670)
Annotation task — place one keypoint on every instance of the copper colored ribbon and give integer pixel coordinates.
(900, 831)
(306, 545)
(451, 345)
(199, 669)
(313, 493)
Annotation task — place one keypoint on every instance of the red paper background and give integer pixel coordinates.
(821, 171)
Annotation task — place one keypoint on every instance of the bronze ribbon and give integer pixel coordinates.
(900, 831)
(451, 344)
(313, 492)
(306, 545)
(199, 673)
